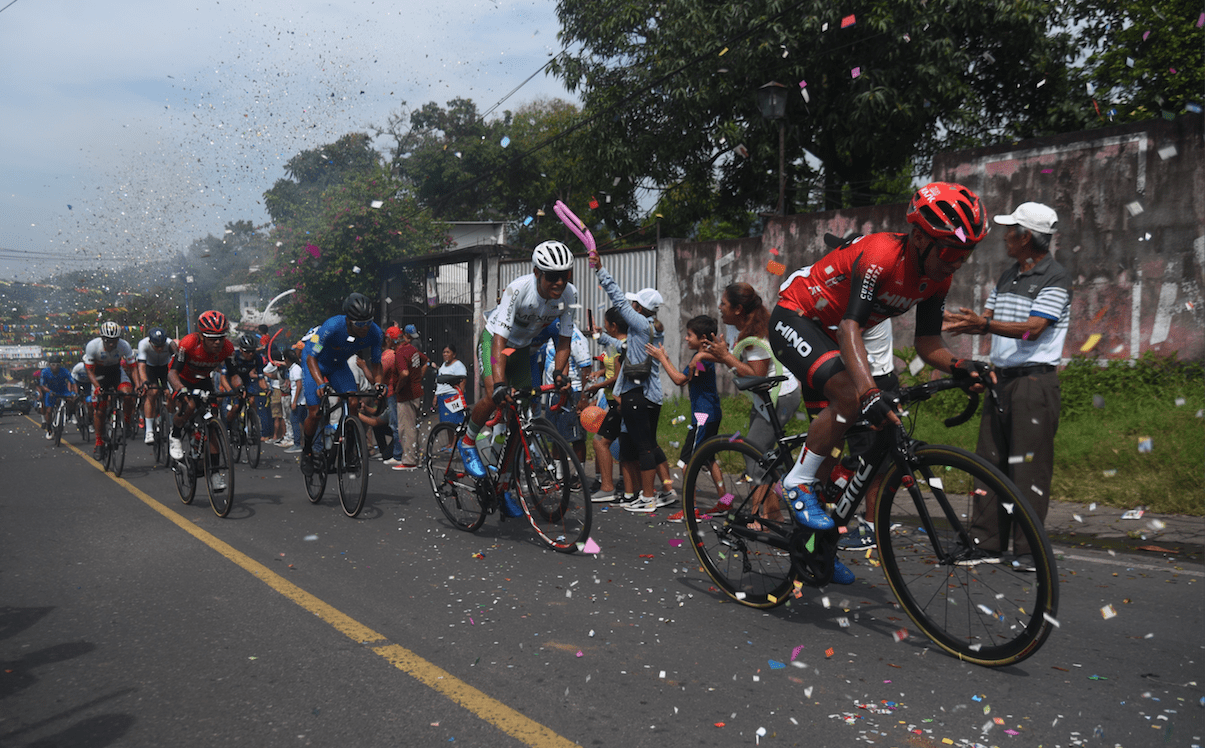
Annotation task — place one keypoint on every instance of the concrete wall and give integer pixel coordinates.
(1138, 269)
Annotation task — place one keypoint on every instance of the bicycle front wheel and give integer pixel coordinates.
(219, 467)
(985, 612)
(455, 490)
(60, 421)
(117, 441)
(186, 478)
(83, 421)
(351, 465)
(251, 435)
(551, 484)
(739, 527)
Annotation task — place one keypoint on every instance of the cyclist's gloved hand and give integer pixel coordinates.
(142, 389)
(381, 389)
(559, 380)
(325, 389)
(876, 408)
(502, 393)
(964, 369)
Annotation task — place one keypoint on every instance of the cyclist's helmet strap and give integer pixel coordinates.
(110, 329)
(357, 307)
(212, 323)
(552, 255)
(949, 212)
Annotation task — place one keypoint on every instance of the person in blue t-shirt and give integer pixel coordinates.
(57, 380)
(324, 362)
(699, 376)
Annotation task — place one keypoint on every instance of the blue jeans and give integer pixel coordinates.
(297, 415)
(391, 406)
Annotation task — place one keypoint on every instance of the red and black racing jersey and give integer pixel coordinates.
(193, 364)
(868, 281)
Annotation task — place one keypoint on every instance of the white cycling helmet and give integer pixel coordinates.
(110, 330)
(552, 255)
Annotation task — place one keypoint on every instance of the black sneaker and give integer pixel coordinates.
(858, 540)
(596, 486)
(307, 464)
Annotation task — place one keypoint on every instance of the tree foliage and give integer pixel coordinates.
(1144, 57)
(347, 244)
(671, 84)
(512, 168)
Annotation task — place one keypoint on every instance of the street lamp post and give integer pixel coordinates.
(772, 101)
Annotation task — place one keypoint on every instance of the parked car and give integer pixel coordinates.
(13, 399)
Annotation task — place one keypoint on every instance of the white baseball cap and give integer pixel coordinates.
(649, 298)
(1032, 216)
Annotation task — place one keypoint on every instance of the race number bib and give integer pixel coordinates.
(454, 403)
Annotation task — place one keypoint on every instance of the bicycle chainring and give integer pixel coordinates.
(813, 553)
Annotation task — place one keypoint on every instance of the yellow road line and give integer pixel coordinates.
(509, 721)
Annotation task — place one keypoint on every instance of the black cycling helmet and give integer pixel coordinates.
(157, 337)
(248, 343)
(56, 360)
(357, 307)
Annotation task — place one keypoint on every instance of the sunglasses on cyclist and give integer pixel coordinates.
(360, 324)
(556, 276)
(213, 337)
(953, 254)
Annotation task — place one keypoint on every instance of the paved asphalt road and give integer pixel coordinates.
(129, 619)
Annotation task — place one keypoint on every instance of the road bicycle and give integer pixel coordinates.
(341, 448)
(245, 432)
(62, 406)
(207, 453)
(115, 430)
(534, 466)
(748, 541)
(83, 417)
(160, 424)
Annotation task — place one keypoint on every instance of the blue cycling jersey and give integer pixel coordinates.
(332, 345)
(56, 381)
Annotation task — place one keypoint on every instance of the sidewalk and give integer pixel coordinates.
(1153, 535)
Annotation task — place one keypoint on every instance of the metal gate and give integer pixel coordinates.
(437, 327)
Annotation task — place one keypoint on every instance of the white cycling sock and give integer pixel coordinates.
(804, 471)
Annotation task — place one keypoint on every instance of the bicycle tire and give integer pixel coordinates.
(315, 482)
(988, 614)
(185, 473)
(166, 419)
(455, 490)
(83, 416)
(352, 466)
(60, 421)
(219, 465)
(552, 489)
(252, 438)
(117, 444)
(748, 565)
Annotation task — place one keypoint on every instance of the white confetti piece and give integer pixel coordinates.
(1108, 612)
(1134, 208)
(916, 365)
(807, 692)
(377, 203)
(1051, 620)
(310, 537)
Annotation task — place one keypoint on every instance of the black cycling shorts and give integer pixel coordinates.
(803, 346)
(156, 376)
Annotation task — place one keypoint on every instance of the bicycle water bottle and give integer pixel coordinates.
(838, 479)
(485, 447)
(328, 436)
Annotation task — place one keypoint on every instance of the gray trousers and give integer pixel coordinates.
(1024, 431)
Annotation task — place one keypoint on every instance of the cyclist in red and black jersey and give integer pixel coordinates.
(816, 329)
(200, 354)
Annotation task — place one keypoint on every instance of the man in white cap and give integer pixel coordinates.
(1027, 315)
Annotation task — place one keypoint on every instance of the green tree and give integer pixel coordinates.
(1144, 57)
(298, 197)
(671, 86)
(348, 243)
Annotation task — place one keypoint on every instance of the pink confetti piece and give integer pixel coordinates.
(1201, 21)
(579, 653)
(735, 437)
(675, 542)
(701, 418)
(1047, 171)
(848, 21)
(1145, 34)
(727, 499)
(590, 546)
(803, 84)
(699, 367)
(958, 232)
(795, 652)
(855, 72)
(471, 621)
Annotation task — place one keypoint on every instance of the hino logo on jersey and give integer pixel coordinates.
(896, 301)
(793, 339)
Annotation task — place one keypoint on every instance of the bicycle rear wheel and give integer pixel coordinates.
(455, 490)
(83, 419)
(315, 482)
(185, 472)
(987, 613)
(163, 426)
(351, 466)
(219, 466)
(551, 485)
(739, 529)
(251, 436)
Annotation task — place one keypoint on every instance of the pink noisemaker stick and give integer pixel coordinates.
(576, 226)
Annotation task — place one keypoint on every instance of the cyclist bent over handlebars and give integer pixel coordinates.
(816, 329)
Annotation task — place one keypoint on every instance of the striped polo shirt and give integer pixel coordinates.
(1044, 291)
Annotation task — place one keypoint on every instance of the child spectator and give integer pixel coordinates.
(699, 375)
(614, 339)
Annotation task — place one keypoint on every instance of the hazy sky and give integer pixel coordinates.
(130, 128)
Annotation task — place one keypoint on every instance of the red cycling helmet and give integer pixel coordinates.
(945, 211)
(212, 323)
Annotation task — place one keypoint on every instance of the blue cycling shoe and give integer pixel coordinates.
(842, 574)
(809, 512)
(472, 460)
